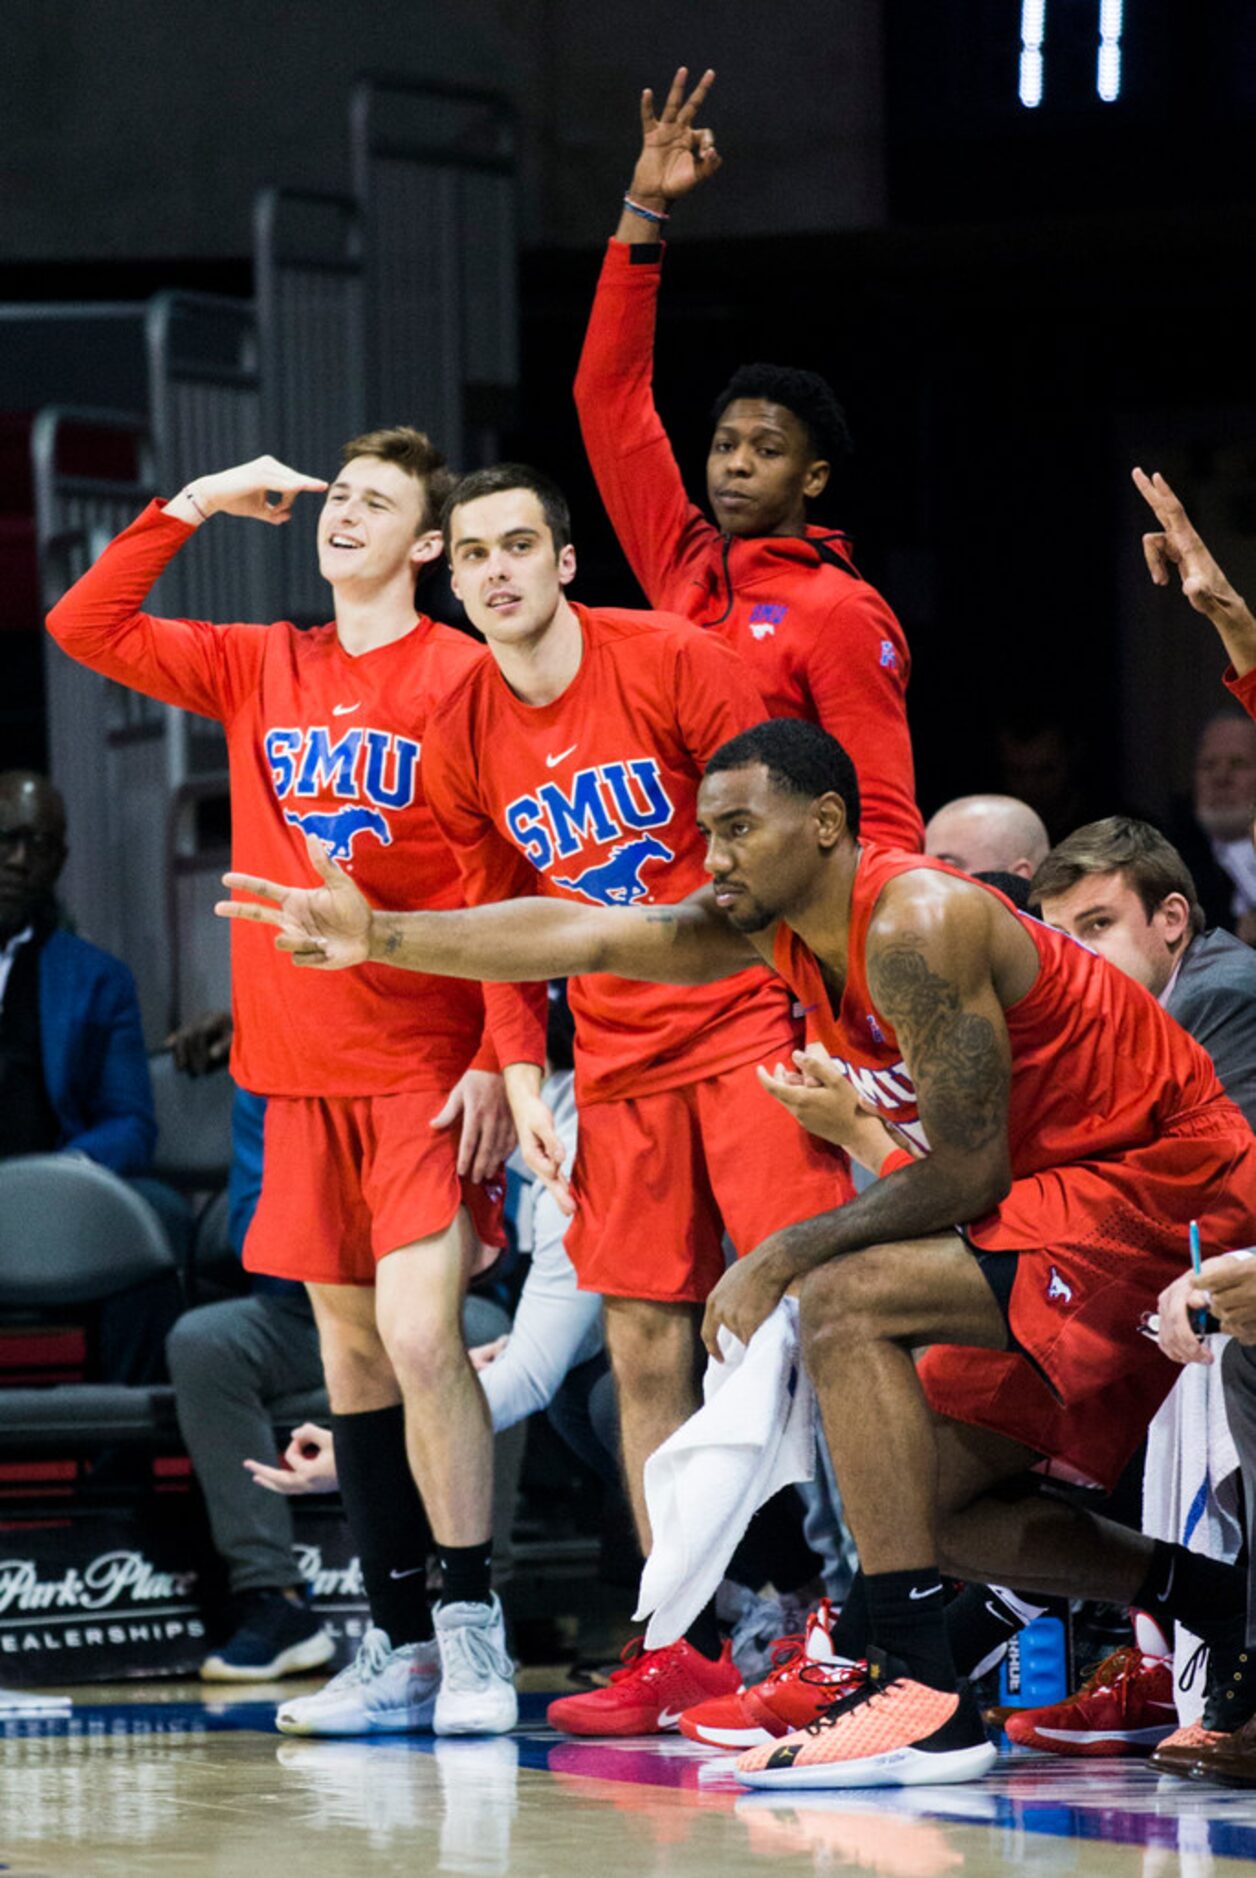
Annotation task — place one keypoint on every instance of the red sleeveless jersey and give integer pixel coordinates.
(1098, 1067)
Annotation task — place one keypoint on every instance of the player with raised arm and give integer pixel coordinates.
(383, 1142)
(1072, 1131)
(785, 593)
(1176, 543)
(567, 766)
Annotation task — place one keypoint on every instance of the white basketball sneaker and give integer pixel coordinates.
(477, 1691)
(383, 1691)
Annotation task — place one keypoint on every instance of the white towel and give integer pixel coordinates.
(753, 1435)
(1190, 1489)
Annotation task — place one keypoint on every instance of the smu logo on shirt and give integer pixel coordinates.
(764, 620)
(886, 1089)
(368, 770)
(612, 803)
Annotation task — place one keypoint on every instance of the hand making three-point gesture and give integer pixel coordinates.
(675, 157)
(327, 926)
(263, 491)
(1177, 543)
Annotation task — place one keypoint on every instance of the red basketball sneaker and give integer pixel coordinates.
(806, 1679)
(649, 1694)
(1125, 1706)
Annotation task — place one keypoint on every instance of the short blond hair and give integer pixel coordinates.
(414, 452)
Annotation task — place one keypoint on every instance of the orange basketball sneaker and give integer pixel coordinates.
(806, 1678)
(889, 1732)
(649, 1693)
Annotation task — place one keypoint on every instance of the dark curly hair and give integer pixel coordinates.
(800, 758)
(806, 394)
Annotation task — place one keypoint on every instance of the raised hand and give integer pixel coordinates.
(675, 156)
(263, 490)
(328, 926)
(1177, 544)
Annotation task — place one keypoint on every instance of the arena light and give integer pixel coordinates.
(1033, 30)
(1033, 38)
(1108, 72)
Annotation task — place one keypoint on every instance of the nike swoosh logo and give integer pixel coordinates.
(931, 1592)
(345, 710)
(1004, 1617)
(552, 762)
(410, 1574)
(668, 1717)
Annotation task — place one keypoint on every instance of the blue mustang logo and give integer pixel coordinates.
(341, 828)
(617, 881)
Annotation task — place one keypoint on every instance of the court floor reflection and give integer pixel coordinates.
(192, 1787)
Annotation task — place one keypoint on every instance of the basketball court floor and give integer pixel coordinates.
(165, 1780)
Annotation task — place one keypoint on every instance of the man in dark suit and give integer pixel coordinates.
(73, 1071)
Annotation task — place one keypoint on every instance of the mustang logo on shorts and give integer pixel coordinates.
(341, 827)
(617, 881)
(1057, 1291)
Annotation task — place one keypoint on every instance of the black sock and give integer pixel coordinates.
(703, 1633)
(386, 1519)
(907, 1619)
(467, 1571)
(1202, 1593)
(980, 1623)
(849, 1635)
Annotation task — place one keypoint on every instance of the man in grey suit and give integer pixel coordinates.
(1122, 889)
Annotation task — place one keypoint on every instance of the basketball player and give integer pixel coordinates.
(1072, 1131)
(368, 1196)
(785, 594)
(568, 766)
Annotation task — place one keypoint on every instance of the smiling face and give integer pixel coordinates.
(762, 469)
(1107, 914)
(371, 529)
(505, 570)
(764, 844)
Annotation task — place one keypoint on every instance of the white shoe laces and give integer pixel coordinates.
(472, 1655)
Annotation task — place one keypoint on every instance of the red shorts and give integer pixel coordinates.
(659, 1178)
(1097, 1242)
(347, 1179)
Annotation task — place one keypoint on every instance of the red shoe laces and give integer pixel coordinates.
(631, 1658)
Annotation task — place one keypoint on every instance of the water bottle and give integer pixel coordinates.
(1034, 1673)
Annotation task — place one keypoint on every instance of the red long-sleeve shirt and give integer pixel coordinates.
(821, 643)
(323, 742)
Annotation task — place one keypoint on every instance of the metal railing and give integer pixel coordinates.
(309, 274)
(434, 169)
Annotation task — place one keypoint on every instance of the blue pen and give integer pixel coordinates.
(1199, 1319)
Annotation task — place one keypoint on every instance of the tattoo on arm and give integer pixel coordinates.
(959, 1070)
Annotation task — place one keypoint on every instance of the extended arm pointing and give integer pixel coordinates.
(334, 926)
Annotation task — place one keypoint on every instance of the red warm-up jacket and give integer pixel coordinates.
(822, 644)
